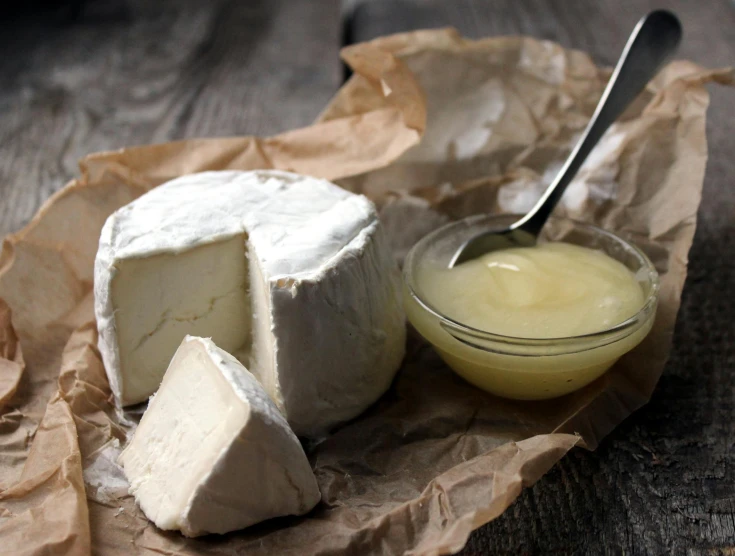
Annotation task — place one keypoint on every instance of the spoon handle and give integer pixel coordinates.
(652, 41)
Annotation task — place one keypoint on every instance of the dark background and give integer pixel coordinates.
(78, 77)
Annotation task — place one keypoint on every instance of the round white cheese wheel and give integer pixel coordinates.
(290, 274)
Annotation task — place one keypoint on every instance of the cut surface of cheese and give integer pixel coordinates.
(290, 274)
(212, 453)
(217, 304)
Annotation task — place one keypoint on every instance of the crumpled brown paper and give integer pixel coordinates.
(11, 357)
(435, 458)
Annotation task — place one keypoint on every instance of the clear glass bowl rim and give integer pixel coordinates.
(619, 331)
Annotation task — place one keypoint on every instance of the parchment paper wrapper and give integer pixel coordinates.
(432, 127)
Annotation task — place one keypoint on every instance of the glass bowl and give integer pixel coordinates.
(526, 368)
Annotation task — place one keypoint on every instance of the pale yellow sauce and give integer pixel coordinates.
(552, 290)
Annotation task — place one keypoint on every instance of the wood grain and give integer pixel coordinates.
(127, 72)
(131, 72)
(664, 481)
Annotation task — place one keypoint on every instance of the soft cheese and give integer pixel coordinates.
(212, 453)
(291, 274)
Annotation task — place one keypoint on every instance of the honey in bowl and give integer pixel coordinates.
(531, 323)
(548, 291)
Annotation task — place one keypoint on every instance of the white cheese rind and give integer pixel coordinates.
(212, 454)
(338, 370)
(327, 331)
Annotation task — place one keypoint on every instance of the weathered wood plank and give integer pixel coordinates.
(131, 72)
(135, 72)
(663, 482)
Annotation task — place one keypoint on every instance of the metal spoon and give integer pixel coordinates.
(654, 39)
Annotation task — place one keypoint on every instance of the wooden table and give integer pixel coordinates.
(118, 72)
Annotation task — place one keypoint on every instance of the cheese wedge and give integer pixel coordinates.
(290, 274)
(212, 454)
